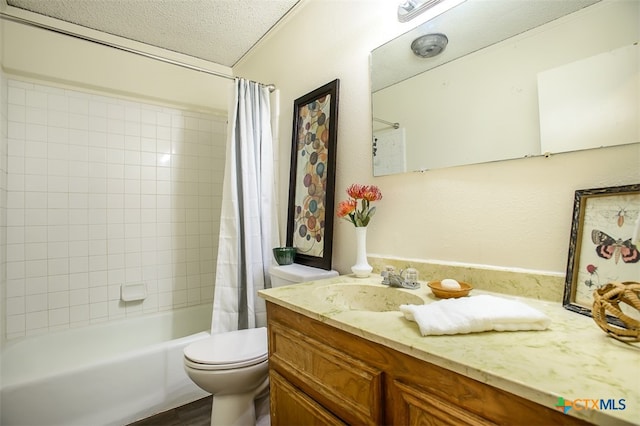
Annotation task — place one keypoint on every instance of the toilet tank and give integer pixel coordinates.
(295, 273)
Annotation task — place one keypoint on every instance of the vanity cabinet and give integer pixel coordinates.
(325, 376)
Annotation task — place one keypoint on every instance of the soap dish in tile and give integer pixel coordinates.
(446, 293)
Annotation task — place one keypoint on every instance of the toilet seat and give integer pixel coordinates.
(230, 350)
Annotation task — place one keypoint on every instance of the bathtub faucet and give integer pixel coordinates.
(393, 279)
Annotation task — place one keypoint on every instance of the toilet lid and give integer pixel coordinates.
(232, 349)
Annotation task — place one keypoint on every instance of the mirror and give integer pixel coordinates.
(494, 92)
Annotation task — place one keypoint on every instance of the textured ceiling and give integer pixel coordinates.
(220, 31)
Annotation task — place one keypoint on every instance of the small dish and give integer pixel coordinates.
(284, 255)
(446, 293)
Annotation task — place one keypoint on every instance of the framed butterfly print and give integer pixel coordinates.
(603, 245)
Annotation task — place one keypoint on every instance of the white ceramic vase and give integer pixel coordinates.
(361, 269)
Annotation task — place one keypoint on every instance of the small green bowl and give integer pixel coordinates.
(284, 255)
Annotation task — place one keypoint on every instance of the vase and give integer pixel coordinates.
(361, 269)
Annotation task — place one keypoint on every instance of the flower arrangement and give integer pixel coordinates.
(348, 209)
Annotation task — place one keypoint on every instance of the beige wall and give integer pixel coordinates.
(58, 58)
(514, 214)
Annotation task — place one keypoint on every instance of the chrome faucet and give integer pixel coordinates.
(393, 279)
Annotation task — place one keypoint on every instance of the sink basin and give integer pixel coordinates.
(373, 298)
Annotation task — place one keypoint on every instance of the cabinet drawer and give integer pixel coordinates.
(346, 386)
(289, 406)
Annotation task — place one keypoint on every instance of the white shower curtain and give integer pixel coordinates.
(248, 222)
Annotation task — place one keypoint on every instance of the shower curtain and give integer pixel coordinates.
(248, 222)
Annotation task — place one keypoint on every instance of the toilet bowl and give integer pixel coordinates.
(233, 366)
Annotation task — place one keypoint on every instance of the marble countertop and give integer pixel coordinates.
(573, 359)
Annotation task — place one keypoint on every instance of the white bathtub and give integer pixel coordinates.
(108, 374)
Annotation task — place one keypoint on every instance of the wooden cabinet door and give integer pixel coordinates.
(346, 386)
(290, 406)
(415, 407)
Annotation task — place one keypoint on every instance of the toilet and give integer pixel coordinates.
(233, 366)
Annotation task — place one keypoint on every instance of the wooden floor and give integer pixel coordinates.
(197, 413)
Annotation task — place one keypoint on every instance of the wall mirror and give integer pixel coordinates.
(516, 79)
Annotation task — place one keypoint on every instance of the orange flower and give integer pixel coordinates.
(347, 206)
(355, 191)
(371, 193)
(366, 193)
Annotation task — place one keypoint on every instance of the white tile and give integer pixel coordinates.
(78, 264)
(79, 248)
(58, 119)
(56, 217)
(79, 297)
(98, 278)
(57, 266)
(36, 99)
(35, 132)
(57, 250)
(35, 183)
(36, 302)
(115, 156)
(15, 306)
(97, 263)
(97, 247)
(35, 200)
(79, 314)
(132, 171)
(34, 268)
(79, 170)
(57, 283)
(79, 281)
(15, 270)
(116, 273)
(15, 217)
(133, 274)
(57, 167)
(15, 252)
(57, 200)
(58, 299)
(78, 131)
(98, 310)
(78, 233)
(56, 150)
(132, 139)
(98, 294)
(58, 233)
(79, 105)
(35, 166)
(113, 293)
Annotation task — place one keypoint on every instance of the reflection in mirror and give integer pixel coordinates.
(494, 89)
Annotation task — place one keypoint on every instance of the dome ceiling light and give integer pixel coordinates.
(429, 45)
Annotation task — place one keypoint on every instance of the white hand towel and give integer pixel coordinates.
(474, 314)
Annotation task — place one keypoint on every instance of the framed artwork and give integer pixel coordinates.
(312, 179)
(602, 247)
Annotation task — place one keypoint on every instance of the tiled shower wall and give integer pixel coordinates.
(102, 192)
(3, 202)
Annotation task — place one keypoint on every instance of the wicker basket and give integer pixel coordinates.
(607, 300)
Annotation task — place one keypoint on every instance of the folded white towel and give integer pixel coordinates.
(474, 314)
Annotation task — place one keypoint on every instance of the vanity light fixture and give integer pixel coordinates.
(409, 9)
(429, 45)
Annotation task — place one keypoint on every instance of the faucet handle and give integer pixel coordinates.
(388, 269)
(411, 274)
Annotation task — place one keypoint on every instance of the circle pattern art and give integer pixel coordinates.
(312, 151)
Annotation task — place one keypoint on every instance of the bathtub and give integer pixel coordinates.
(108, 374)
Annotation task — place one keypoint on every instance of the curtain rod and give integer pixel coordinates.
(23, 21)
(394, 125)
